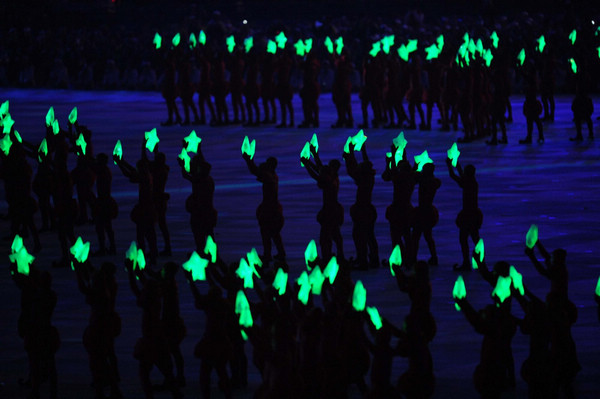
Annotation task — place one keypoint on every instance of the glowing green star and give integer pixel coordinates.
(81, 143)
(300, 48)
(315, 142)
(347, 145)
(50, 116)
(453, 154)
(395, 259)
(403, 52)
(488, 57)
(517, 280)
(55, 127)
(230, 42)
(422, 159)
(151, 139)
(281, 40)
(271, 47)
(474, 264)
(280, 282)
(176, 40)
(400, 142)
(573, 65)
(202, 38)
(118, 150)
(305, 153)
(211, 249)
(308, 43)
(521, 56)
(331, 270)
(253, 258)
(192, 140)
(4, 109)
(541, 44)
(7, 124)
(5, 144)
(386, 43)
(131, 253)
(573, 36)
(248, 147)
(140, 260)
(598, 49)
(242, 308)
(339, 45)
(502, 289)
(316, 280)
(305, 288)
(245, 272)
(192, 41)
(466, 37)
(197, 266)
(375, 317)
(358, 140)
(459, 291)
(440, 42)
(359, 297)
(248, 44)
(310, 253)
(598, 287)
(479, 249)
(157, 40)
(412, 45)
(183, 155)
(80, 250)
(23, 259)
(532, 236)
(375, 49)
(432, 52)
(73, 116)
(43, 148)
(329, 45)
(495, 39)
(16, 244)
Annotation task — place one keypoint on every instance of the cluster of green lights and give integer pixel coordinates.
(303, 47)
(358, 140)
(136, 255)
(248, 148)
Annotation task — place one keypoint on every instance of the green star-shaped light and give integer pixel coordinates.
(479, 249)
(230, 42)
(395, 259)
(331, 270)
(73, 116)
(474, 264)
(242, 308)
(80, 250)
(347, 145)
(16, 244)
(50, 116)
(573, 36)
(440, 42)
(472, 47)
(131, 253)
(5, 144)
(305, 153)
(488, 57)
(271, 47)
(245, 272)
(598, 49)
(329, 45)
(597, 292)
(400, 142)
(359, 297)
(281, 40)
(573, 65)
(517, 280)
(541, 44)
(280, 281)
(7, 124)
(495, 39)
(315, 142)
(157, 41)
(375, 317)
(432, 52)
(453, 154)
(386, 43)
(4, 109)
(375, 49)
(339, 45)
(140, 260)
(55, 127)
(183, 155)
(521, 56)
(151, 139)
(308, 43)
(403, 52)
(316, 279)
(23, 259)
(532, 236)
(202, 38)
(502, 289)
(253, 258)
(197, 266)
(300, 48)
(305, 288)
(118, 150)
(412, 45)
(310, 253)
(459, 291)
(81, 143)
(248, 44)
(176, 40)
(358, 140)
(422, 159)
(192, 41)
(466, 37)
(211, 249)
(479, 47)
(192, 140)
(248, 148)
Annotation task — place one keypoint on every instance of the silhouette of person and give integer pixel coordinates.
(311, 89)
(105, 207)
(43, 186)
(252, 90)
(205, 89)
(160, 172)
(186, 90)
(268, 66)
(341, 90)
(363, 212)
(397, 85)
(169, 90)
(283, 89)
(65, 207)
(220, 88)
(269, 213)
(470, 218)
(372, 90)
(426, 214)
(532, 109)
(415, 93)
(83, 178)
(583, 108)
(236, 83)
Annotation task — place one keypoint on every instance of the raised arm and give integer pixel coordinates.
(452, 173)
(251, 164)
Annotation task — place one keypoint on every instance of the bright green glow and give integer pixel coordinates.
(281, 40)
(359, 297)
(80, 250)
(488, 57)
(244, 335)
(541, 44)
(18, 136)
(316, 280)
(400, 142)
(598, 48)
(502, 289)
(151, 139)
(398, 156)
(202, 38)
(466, 37)
(248, 44)
(462, 52)
(480, 47)
(315, 142)
(305, 153)
(73, 116)
(459, 291)
(192, 40)
(598, 287)
(197, 266)
(479, 249)
(329, 45)
(403, 52)
(432, 52)
(242, 308)
(118, 150)
(358, 140)
(597, 32)
(5, 144)
(331, 270)
(308, 43)
(183, 155)
(245, 272)
(422, 159)
(16, 244)
(440, 42)
(271, 47)
(453, 154)
(140, 260)
(532, 236)
(23, 259)
(573, 65)
(300, 48)
(280, 282)
(474, 264)
(131, 253)
(472, 47)
(517, 280)
(375, 49)
(253, 258)
(375, 317)
(305, 288)
(8, 123)
(157, 40)
(521, 56)
(495, 39)
(211, 249)
(192, 140)
(50, 116)
(395, 259)
(573, 36)
(4, 108)
(248, 147)
(81, 143)
(339, 45)
(55, 127)
(310, 253)
(386, 43)
(412, 45)
(347, 145)
(230, 42)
